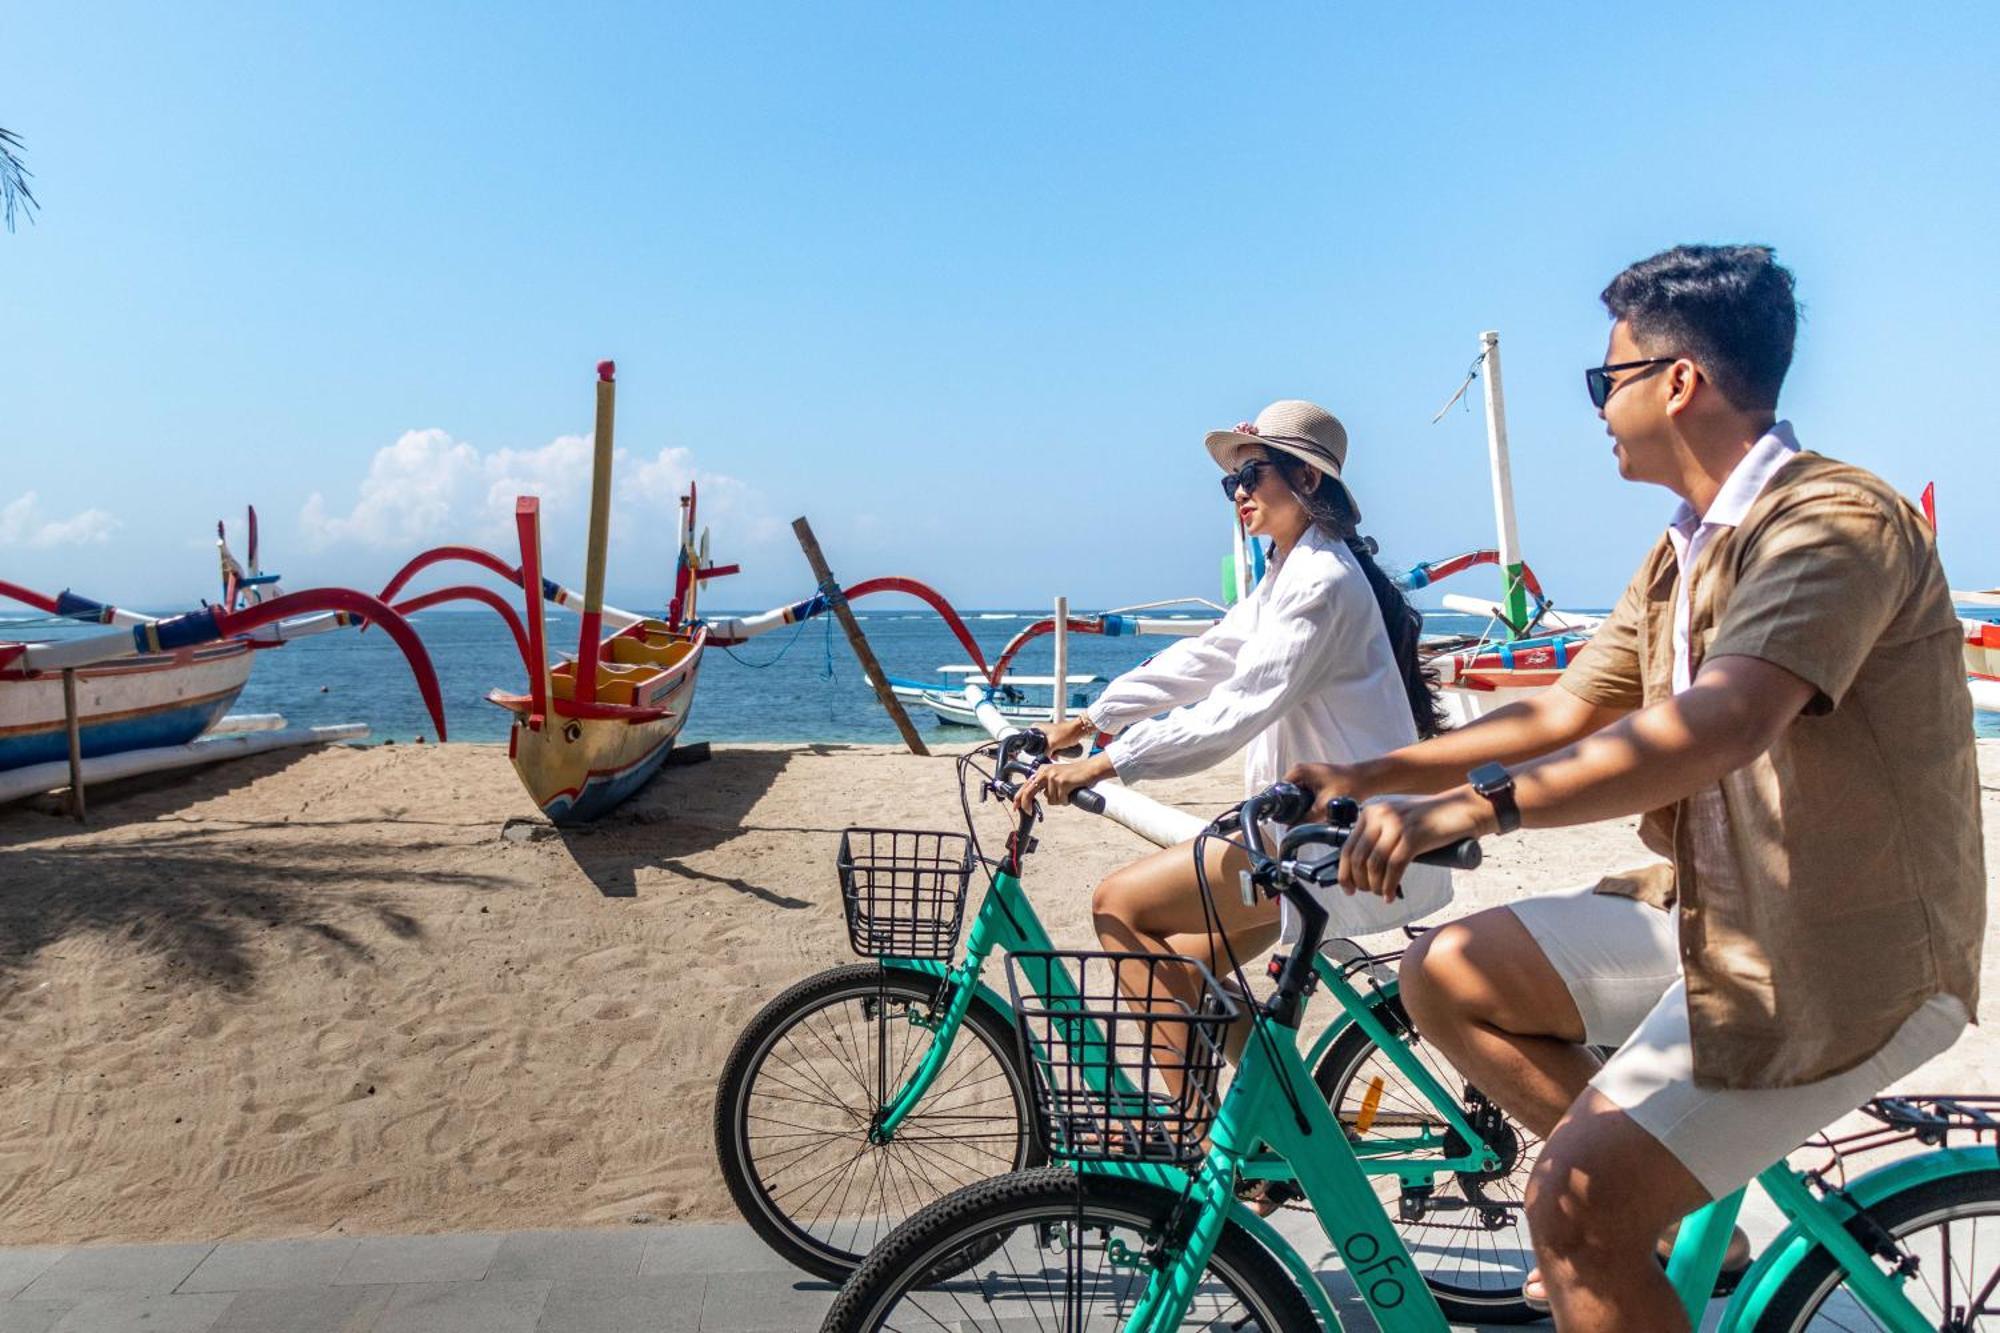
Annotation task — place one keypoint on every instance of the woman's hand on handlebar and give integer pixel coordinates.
(1068, 734)
(1055, 783)
(1394, 830)
(1326, 781)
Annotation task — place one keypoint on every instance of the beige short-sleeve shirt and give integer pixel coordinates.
(1856, 886)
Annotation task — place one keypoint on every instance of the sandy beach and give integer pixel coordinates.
(327, 993)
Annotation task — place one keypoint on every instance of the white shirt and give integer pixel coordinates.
(1690, 533)
(1299, 671)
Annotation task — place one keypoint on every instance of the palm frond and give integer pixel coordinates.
(15, 196)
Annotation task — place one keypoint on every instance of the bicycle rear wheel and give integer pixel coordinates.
(807, 1081)
(1469, 1236)
(1058, 1249)
(1950, 1227)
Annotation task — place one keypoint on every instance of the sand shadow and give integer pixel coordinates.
(197, 906)
(683, 811)
(142, 799)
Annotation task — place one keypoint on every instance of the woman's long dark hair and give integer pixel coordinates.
(1328, 507)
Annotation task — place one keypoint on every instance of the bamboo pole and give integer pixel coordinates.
(528, 524)
(876, 676)
(73, 725)
(1062, 660)
(600, 535)
(1515, 603)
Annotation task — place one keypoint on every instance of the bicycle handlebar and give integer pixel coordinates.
(1286, 803)
(1035, 746)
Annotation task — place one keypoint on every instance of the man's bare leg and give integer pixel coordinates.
(1481, 990)
(1601, 1194)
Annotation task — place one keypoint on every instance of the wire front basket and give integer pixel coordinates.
(904, 891)
(1126, 1050)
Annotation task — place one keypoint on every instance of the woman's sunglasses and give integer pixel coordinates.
(1598, 378)
(1245, 478)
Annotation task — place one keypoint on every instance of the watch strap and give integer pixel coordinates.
(1496, 784)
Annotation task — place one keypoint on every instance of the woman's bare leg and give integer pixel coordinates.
(1154, 906)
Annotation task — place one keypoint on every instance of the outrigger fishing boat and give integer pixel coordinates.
(594, 728)
(1012, 698)
(1524, 648)
(1009, 693)
(147, 701)
(146, 690)
(1527, 643)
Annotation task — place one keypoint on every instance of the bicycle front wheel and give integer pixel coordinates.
(1946, 1231)
(806, 1083)
(1056, 1249)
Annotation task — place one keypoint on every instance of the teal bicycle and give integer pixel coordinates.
(863, 1094)
(1912, 1245)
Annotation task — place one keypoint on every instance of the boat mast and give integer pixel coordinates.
(600, 536)
(1515, 604)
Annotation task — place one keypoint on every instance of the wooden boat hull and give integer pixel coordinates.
(1480, 678)
(578, 769)
(135, 703)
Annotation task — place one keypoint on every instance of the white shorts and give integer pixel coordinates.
(1619, 959)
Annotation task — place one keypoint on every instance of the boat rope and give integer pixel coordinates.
(835, 595)
(772, 661)
(1471, 374)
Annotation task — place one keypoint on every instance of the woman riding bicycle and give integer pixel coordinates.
(1320, 658)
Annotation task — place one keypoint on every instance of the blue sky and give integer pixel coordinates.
(963, 283)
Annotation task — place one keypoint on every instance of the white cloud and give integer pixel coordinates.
(427, 489)
(22, 524)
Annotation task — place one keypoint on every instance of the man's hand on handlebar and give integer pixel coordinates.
(1055, 783)
(1394, 830)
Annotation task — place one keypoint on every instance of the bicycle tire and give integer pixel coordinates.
(984, 1217)
(1497, 1300)
(755, 1184)
(1816, 1280)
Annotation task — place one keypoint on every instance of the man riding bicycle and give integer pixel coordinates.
(1780, 689)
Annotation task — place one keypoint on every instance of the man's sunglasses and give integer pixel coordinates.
(1245, 478)
(1598, 378)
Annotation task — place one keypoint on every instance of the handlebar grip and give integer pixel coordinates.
(1088, 801)
(1285, 803)
(1461, 855)
(1032, 742)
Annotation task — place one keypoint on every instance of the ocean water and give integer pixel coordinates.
(801, 683)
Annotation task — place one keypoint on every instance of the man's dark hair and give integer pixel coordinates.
(1729, 307)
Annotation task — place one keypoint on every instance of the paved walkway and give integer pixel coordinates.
(662, 1279)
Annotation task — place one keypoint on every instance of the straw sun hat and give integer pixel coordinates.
(1306, 431)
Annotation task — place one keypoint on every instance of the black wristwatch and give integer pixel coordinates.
(1496, 784)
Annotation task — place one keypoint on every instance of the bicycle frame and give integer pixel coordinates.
(1006, 921)
(1305, 1132)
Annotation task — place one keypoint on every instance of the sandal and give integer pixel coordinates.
(1264, 1197)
